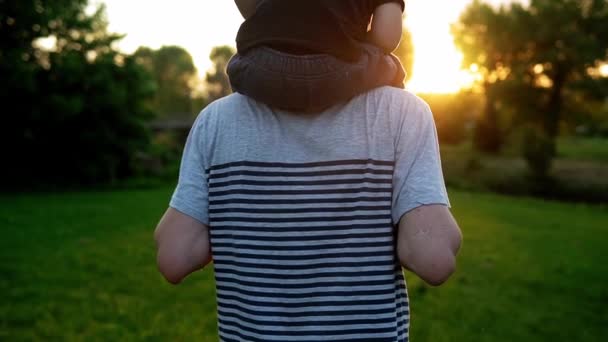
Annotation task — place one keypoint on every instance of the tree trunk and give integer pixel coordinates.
(554, 107)
(487, 136)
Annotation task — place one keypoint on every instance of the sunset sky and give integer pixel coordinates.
(199, 25)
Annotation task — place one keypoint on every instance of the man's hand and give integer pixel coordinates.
(183, 245)
(428, 241)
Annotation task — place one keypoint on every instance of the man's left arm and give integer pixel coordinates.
(182, 245)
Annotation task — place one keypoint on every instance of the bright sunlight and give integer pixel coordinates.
(199, 25)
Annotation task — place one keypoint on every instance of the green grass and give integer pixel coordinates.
(591, 149)
(80, 267)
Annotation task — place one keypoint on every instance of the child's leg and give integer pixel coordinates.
(275, 78)
(311, 82)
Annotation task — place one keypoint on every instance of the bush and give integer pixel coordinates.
(539, 151)
(454, 115)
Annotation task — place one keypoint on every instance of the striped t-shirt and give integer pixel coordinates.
(302, 210)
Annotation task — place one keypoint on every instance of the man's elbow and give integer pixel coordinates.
(439, 270)
(434, 267)
(442, 264)
(168, 268)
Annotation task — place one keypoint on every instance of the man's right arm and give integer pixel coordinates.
(428, 241)
(246, 7)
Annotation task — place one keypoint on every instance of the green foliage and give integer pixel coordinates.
(75, 113)
(454, 114)
(174, 72)
(82, 267)
(537, 59)
(218, 83)
(577, 174)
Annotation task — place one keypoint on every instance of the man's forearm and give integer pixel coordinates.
(183, 246)
(428, 242)
(181, 256)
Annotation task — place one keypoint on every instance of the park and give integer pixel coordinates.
(94, 136)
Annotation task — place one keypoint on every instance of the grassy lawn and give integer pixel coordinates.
(594, 149)
(80, 267)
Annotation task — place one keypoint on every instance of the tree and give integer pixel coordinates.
(484, 36)
(535, 58)
(217, 80)
(173, 71)
(75, 111)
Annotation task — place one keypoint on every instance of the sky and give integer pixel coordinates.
(199, 25)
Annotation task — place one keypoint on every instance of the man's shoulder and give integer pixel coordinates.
(234, 102)
(392, 101)
(228, 108)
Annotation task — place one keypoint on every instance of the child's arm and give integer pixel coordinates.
(246, 7)
(387, 27)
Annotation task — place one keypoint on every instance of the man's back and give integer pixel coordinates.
(302, 209)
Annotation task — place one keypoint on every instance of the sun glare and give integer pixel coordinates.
(604, 70)
(199, 25)
(437, 62)
(196, 25)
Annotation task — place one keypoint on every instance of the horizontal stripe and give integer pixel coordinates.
(300, 210)
(305, 304)
(306, 283)
(310, 319)
(221, 279)
(307, 295)
(358, 274)
(240, 337)
(240, 246)
(308, 275)
(299, 183)
(244, 228)
(293, 332)
(302, 165)
(313, 303)
(319, 173)
(383, 261)
(319, 310)
(404, 327)
(352, 236)
(333, 323)
(305, 252)
(304, 309)
(403, 302)
(300, 219)
(315, 312)
(323, 265)
(213, 202)
(299, 192)
(288, 236)
(303, 257)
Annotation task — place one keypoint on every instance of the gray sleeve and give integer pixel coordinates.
(191, 196)
(418, 178)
